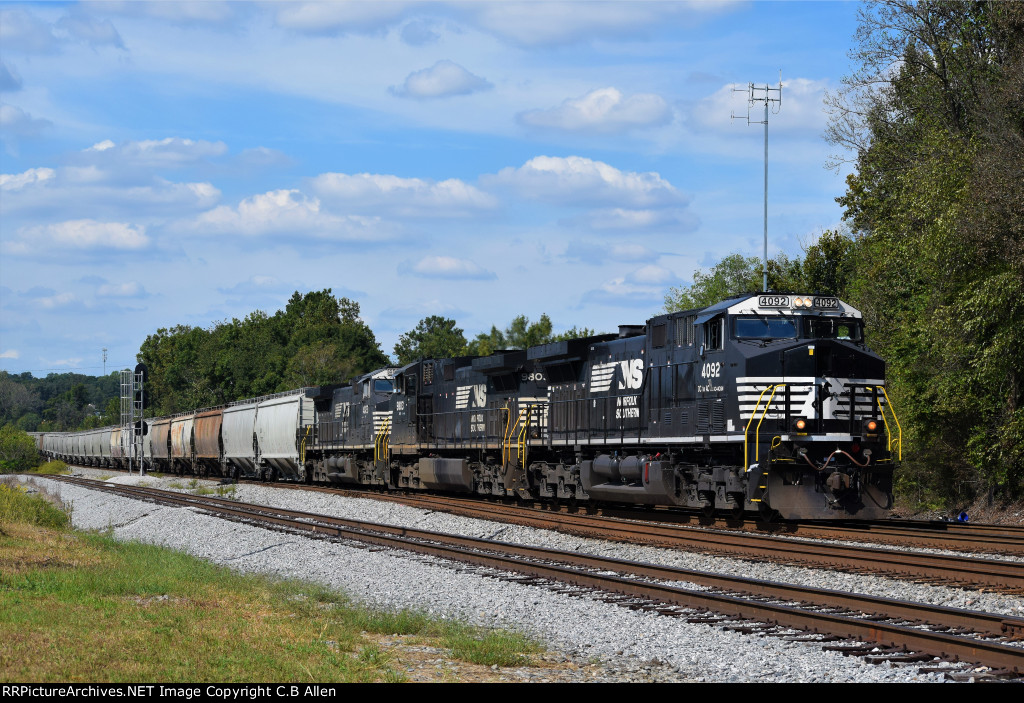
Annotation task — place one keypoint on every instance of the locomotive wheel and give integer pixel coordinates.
(766, 514)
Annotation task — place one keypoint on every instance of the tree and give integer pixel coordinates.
(829, 263)
(520, 334)
(933, 117)
(735, 275)
(17, 450)
(434, 337)
(317, 339)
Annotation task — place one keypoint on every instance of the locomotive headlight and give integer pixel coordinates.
(798, 302)
(801, 425)
(871, 426)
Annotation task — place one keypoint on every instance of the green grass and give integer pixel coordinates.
(219, 491)
(52, 468)
(82, 607)
(28, 504)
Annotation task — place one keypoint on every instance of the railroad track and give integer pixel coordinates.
(896, 630)
(940, 569)
(951, 536)
(957, 537)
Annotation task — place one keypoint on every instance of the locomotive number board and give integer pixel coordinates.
(783, 301)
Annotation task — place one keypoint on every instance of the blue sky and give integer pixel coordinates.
(188, 162)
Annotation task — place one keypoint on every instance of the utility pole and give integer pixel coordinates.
(104, 361)
(757, 94)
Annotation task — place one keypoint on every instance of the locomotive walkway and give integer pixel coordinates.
(909, 631)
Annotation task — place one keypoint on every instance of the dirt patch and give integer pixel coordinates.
(423, 663)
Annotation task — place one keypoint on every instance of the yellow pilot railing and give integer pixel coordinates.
(757, 430)
(380, 441)
(888, 432)
(510, 431)
(521, 444)
(302, 445)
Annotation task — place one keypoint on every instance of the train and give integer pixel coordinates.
(766, 403)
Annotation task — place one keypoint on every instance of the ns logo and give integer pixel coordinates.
(630, 376)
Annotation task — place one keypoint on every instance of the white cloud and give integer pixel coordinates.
(90, 31)
(151, 153)
(545, 23)
(802, 107)
(623, 292)
(33, 176)
(184, 12)
(10, 354)
(89, 190)
(130, 289)
(600, 253)
(284, 212)
(55, 301)
(604, 110)
(447, 267)
(652, 274)
(402, 196)
(79, 234)
(633, 219)
(442, 80)
(105, 145)
(579, 180)
(21, 31)
(17, 122)
(339, 16)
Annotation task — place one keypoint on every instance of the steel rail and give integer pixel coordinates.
(1005, 576)
(995, 539)
(873, 630)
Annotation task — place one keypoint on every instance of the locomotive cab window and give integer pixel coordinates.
(410, 384)
(713, 334)
(383, 385)
(834, 328)
(765, 328)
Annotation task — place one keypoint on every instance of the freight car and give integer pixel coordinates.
(767, 402)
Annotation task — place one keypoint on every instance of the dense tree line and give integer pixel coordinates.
(934, 115)
(59, 401)
(317, 339)
(438, 337)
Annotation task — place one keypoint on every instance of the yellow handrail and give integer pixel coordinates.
(302, 445)
(899, 428)
(757, 433)
(380, 443)
(521, 450)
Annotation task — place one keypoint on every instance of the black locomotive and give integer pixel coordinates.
(769, 402)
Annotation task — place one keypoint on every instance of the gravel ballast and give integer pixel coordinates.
(632, 645)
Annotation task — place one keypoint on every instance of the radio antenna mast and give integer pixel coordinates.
(757, 94)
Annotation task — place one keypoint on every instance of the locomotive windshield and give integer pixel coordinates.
(833, 328)
(383, 385)
(765, 327)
